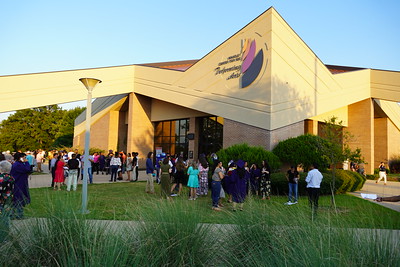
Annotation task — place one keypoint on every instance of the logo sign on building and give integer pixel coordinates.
(246, 65)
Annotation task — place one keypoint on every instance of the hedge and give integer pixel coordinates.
(346, 181)
(251, 154)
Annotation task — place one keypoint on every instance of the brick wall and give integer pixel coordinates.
(236, 133)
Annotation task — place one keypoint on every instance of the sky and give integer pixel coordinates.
(43, 36)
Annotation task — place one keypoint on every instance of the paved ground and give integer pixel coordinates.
(391, 189)
(44, 180)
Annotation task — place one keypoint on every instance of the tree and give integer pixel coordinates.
(65, 134)
(36, 128)
(302, 150)
(335, 148)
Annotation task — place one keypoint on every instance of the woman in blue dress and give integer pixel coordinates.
(193, 181)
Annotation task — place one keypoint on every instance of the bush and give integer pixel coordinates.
(279, 184)
(360, 180)
(250, 154)
(394, 164)
(346, 181)
(302, 150)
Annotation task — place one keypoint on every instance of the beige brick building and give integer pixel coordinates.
(260, 86)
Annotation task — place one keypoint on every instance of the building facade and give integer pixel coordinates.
(260, 86)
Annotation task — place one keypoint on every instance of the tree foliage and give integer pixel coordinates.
(38, 128)
(302, 150)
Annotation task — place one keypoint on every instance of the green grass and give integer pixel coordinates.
(150, 231)
(128, 201)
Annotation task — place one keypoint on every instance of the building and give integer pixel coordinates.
(260, 86)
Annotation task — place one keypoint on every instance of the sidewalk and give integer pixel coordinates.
(44, 180)
(391, 189)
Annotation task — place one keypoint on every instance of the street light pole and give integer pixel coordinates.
(89, 83)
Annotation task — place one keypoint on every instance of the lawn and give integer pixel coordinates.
(128, 201)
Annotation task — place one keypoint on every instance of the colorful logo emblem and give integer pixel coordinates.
(245, 66)
(251, 62)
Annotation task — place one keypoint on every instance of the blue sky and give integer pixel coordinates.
(42, 35)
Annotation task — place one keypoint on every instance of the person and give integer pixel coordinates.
(193, 181)
(96, 163)
(238, 180)
(90, 173)
(388, 199)
(115, 164)
(150, 173)
(255, 174)
(73, 166)
(361, 169)
(226, 187)
(382, 173)
(59, 173)
(107, 163)
(122, 168)
(30, 159)
(202, 190)
(179, 177)
(292, 177)
(165, 179)
(53, 168)
(20, 170)
(135, 164)
(217, 177)
(6, 198)
(265, 181)
(39, 160)
(313, 180)
(102, 162)
(128, 166)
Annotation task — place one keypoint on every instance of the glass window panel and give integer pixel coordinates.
(171, 136)
(166, 139)
(158, 129)
(158, 139)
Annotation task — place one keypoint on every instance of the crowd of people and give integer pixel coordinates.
(234, 182)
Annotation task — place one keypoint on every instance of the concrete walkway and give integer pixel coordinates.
(44, 179)
(391, 189)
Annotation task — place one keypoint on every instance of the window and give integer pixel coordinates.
(210, 134)
(171, 136)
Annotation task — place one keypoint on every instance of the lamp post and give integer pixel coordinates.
(89, 83)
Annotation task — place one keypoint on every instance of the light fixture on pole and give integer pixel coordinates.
(89, 83)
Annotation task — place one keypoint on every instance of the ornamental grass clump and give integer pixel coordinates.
(179, 232)
(65, 238)
(171, 234)
(298, 240)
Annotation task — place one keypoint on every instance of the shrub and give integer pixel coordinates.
(279, 184)
(394, 164)
(249, 154)
(346, 181)
(360, 180)
(302, 150)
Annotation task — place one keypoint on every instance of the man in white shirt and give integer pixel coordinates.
(313, 180)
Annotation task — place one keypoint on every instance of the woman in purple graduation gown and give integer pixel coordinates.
(238, 180)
